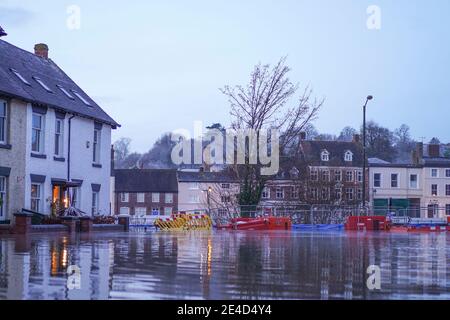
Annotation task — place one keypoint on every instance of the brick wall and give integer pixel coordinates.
(148, 203)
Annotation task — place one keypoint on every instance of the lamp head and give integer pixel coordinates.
(369, 97)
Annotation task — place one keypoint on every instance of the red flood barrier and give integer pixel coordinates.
(263, 223)
(373, 223)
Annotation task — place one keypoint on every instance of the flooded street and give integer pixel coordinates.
(224, 265)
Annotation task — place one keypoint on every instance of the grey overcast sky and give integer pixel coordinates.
(156, 66)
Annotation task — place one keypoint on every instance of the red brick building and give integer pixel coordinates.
(144, 192)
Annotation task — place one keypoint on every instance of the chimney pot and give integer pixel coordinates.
(303, 135)
(41, 50)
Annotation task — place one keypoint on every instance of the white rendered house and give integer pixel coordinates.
(55, 140)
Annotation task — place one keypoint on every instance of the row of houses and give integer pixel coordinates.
(324, 174)
(419, 186)
(55, 148)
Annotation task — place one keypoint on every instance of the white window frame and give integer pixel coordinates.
(351, 192)
(348, 157)
(36, 201)
(124, 210)
(59, 137)
(397, 175)
(359, 176)
(41, 133)
(279, 193)
(338, 177)
(3, 197)
(338, 193)
(168, 198)
(314, 174)
(295, 192)
(325, 193)
(437, 190)
(375, 180)
(314, 193)
(325, 156)
(411, 181)
(140, 211)
(326, 176)
(4, 122)
(349, 173)
(155, 197)
(434, 170)
(140, 197)
(168, 211)
(95, 203)
(265, 193)
(96, 146)
(359, 193)
(76, 194)
(124, 197)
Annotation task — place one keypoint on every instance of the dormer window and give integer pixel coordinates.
(68, 95)
(294, 172)
(79, 96)
(348, 156)
(325, 156)
(42, 84)
(18, 75)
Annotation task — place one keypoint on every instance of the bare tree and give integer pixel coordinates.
(266, 103)
(121, 151)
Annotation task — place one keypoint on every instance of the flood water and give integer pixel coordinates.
(224, 265)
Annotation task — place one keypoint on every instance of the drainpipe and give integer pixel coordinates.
(68, 149)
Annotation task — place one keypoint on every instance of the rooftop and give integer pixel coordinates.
(29, 77)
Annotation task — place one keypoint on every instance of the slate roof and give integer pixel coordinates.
(211, 177)
(146, 180)
(312, 151)
(30, 65)
(379, 163)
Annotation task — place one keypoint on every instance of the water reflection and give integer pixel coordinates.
(225, 265)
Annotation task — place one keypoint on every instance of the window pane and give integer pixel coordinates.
(37, 121)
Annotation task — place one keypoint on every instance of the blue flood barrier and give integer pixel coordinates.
(318, 227)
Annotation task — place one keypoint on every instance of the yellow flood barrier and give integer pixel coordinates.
(184, 222)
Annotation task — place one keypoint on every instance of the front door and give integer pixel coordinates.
(433, 211)
(60, 199)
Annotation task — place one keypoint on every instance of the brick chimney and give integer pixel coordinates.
(41, 50)
(356, 138)
(434, 150)
(417, 155)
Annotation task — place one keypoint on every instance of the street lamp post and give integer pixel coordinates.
(208, 201)
(364, 151)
